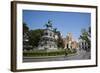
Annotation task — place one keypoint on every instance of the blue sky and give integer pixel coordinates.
(64, 21)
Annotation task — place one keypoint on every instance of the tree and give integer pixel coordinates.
(31, 37)
(26, 45)
(25, 31)
(34, 37)
(60, 43)
(86, 36)
(25, 28)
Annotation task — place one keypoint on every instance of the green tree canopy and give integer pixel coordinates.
(60, 43)
(25, 28)
(34, 37)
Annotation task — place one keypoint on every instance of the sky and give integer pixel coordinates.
(65, 22)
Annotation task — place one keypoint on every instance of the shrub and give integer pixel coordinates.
(44, 53)
(37, 53)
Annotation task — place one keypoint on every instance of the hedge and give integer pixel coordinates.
(47, 53)
(44, 53)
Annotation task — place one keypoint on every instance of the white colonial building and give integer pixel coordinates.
(83, 44)
(48, 40)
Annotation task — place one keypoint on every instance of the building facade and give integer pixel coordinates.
(69, 42)
(48, 40)
(83, 44)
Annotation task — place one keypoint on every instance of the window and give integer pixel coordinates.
(67, 46)
(50, 46)
(46, 33)
(50, 34)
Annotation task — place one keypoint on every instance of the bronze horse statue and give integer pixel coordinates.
(49, 24)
